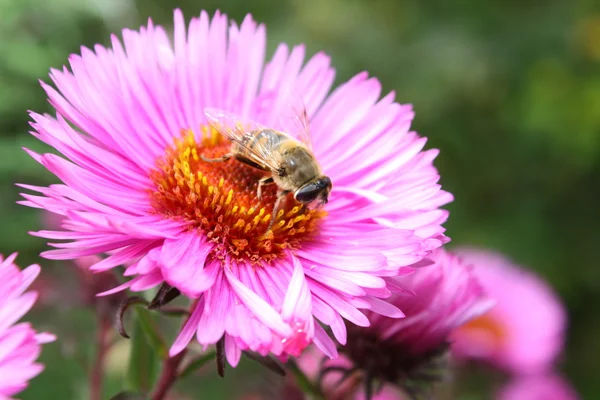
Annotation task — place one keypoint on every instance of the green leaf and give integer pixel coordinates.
(144, 362)
(155, 341)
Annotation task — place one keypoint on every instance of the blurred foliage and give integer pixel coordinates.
(508, 90)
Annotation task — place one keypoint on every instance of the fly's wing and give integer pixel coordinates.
(294, 119)
(240, 132)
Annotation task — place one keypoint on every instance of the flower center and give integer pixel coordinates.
(219, 199)
(488, 326)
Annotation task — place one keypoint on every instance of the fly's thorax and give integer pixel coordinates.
(299, 164)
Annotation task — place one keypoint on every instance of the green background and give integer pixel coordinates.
(508, 90)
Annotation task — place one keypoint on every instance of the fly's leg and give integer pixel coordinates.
(225, 157)
(280, 196)
(264, 181)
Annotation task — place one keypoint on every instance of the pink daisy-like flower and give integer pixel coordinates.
(524, 332)
(548, 386)
(409, 352)
(20, 345)
(131, 126)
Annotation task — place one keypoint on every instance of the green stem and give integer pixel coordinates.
(169, 373)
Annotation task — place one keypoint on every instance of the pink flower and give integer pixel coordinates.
(524, 333)
(436, 300)
(135, 187)
(19, 344)
(537, 387)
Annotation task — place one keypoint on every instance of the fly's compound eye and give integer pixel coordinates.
(317, 189)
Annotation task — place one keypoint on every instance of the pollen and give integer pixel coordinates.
(219, 199)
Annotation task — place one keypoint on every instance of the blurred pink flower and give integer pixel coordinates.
(436, 300)
(524, 332)
(20, 345)
(136, 189)
(537, 387)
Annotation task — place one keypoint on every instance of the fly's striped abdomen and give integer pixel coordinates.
(267, 140)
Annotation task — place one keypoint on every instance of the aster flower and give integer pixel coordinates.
(409, 352)
(131, 126)
(524, 333)
(548, 386)
(20, 344)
